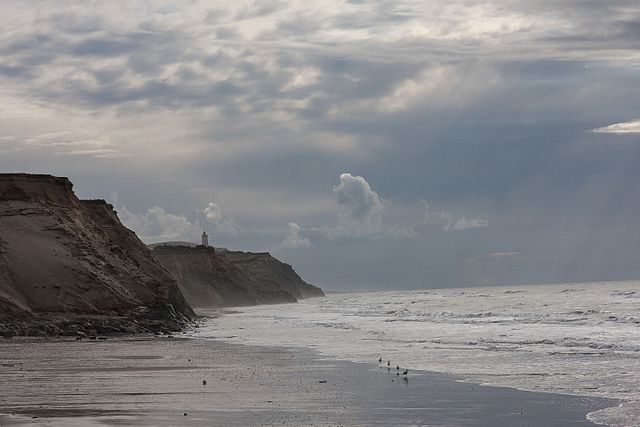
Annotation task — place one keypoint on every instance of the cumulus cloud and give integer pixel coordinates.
(220, 220)
(156, 224)
(360, 208)
(294, 240)
(623, 128)
(360, 212)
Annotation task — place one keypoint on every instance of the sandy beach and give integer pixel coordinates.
(159, 381)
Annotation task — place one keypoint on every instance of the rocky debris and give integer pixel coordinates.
(91, 327)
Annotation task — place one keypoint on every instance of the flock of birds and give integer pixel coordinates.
(406, 371)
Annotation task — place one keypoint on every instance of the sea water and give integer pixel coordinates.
(579, 338)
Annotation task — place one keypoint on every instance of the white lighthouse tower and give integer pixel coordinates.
(205, 239)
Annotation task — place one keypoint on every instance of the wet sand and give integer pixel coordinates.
(159, 382)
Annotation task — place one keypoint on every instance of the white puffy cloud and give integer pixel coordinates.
(220, 220)
(623, 128)
(156, 224)
(360, 208)
(294, 239)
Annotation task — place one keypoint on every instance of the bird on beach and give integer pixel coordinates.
(388, 362)
(397, 367)
(406, 371)
(380, 360)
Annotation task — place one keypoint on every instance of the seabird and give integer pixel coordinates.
(380, 360)
(406, 371)
(388, 362)
(397, 367)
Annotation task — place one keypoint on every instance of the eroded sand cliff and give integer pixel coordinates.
(270, 272)
(62, 258)
(227, 279)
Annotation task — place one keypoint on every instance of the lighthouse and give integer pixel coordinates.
(205, 239)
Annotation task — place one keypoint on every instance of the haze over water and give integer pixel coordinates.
(579, 338)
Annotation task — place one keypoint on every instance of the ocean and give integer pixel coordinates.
(573, 338)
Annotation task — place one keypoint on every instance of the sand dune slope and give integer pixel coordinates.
(61, 255)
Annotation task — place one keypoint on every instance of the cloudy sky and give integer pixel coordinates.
(372, 144)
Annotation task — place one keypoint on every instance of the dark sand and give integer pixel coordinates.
(152, 382)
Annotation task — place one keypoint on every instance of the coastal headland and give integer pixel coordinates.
(69, 267)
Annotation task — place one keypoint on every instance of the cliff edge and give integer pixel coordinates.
(63, 259)
(210, 278)
(271, 272)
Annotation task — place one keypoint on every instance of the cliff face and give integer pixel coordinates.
(272, 273)
(209, 280)
(63, 256)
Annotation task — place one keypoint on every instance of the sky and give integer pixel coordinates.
(371, 144)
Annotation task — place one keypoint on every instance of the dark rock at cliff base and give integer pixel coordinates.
(61, 257)
(210, 278)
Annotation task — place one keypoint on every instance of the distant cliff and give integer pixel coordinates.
(227, 279)
(62, 257)
(271, 272)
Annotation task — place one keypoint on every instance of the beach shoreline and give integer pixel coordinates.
(157, 380)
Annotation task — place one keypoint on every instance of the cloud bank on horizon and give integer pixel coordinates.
(396, 142)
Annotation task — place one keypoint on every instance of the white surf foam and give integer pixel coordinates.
(568, 338)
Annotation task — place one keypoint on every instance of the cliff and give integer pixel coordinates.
(63, 258)
(273, 273)
(210, 279)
